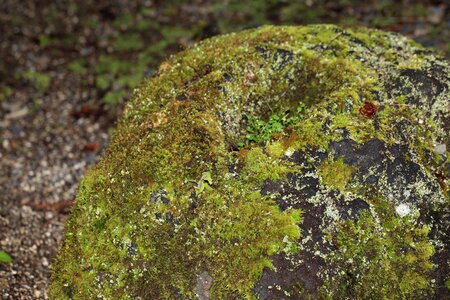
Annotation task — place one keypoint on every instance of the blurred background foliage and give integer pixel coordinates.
(111, 45)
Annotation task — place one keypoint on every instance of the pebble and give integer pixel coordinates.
(4, 284)
(440, 149)
(44, 262)
(49, 215)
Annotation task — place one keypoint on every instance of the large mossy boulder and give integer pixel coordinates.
(276, 163)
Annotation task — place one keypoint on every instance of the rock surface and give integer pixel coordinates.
(276, 163)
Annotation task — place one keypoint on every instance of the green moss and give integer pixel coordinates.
(310, 133)
(335, 173)
(360, 128)
(275, 149)
(380, 256)
(242, 240)
(259, 167)
(447, 283)
(163, 205)
(230, 233)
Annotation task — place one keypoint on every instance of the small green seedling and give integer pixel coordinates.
(204, 183)
(259, 130)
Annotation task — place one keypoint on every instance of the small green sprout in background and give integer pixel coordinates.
(78, 66)
(4, 257)
(5, 92)
(40, 80)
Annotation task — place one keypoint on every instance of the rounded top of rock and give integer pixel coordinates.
(267, 164)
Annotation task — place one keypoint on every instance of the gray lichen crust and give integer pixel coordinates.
(276, 163)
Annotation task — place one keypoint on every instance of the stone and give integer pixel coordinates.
(440, 149)
(274, 163)
(4, 284)
(204, 283)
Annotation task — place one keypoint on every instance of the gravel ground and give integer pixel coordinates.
(44, 153)
(52, 132)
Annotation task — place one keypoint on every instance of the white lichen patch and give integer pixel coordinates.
(402, 210)
(289, 152)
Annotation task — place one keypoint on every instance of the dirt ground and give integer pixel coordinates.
(66, 70)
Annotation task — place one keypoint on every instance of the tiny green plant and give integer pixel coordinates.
(78, 66)
(259, 130)
(204, 183)
(4, 257)
(5, 92)
(40, 80)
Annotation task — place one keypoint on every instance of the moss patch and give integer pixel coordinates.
(259, 166)
(172, 198)
(335, 173)
(382, 256)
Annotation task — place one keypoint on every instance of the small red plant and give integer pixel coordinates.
(369, 109)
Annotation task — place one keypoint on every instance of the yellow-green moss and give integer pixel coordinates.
(259, 166)
(275, 149)
(380, 256)
(335, 173)
(164, 204)
(242, 240)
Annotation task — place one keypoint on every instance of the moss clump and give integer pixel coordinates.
(335, 173)
(447, 284)
(381, 256)
(259, 166)
(276, 149)
(241, 242)
(224, 229)
(173, 202)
